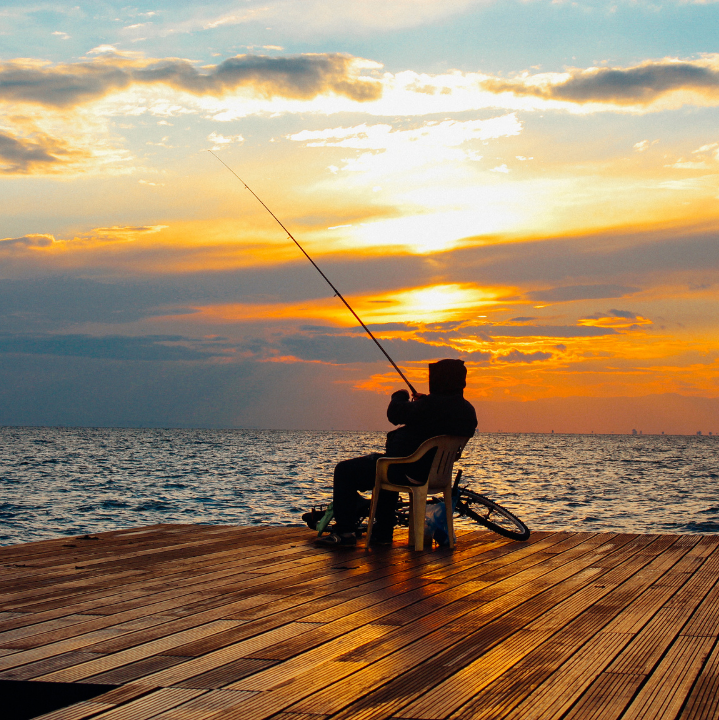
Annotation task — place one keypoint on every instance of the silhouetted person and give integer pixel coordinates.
(443, 412)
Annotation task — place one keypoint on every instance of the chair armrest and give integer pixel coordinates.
(383, 463)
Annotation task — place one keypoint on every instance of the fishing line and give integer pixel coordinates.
(327, 280)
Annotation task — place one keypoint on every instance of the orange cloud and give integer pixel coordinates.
(432, 303)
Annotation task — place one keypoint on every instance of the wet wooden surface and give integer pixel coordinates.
(194, 622)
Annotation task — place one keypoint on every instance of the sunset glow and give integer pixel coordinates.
(548, 212)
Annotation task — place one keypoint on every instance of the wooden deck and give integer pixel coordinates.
(196, 622)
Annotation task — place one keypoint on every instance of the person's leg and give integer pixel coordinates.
(385, 518)
(359, 474)
(350, 477)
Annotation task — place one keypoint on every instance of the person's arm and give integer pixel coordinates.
(402, 410)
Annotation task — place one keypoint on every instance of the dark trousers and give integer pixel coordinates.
(356, 475)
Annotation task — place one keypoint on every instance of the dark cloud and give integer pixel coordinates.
(622, 260)
(620, 86)
(516, 356)
(581, 292)
(27, 241)
(51, 302)
(112, 347)
(552, 331)
(353, 349)
(299, 76)
(522, 319)
(55, 303)
(20, 156)
(80, 391)
(624, 314)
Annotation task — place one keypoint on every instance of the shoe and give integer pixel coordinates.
(335, 539)
(380, 539)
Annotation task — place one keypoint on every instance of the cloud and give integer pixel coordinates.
(333, 348)
(221, 140)
(27, 241)
(632, 259)
(20, 156)
(639, 85)
(391, 150)
(581, 292)
(295, 77)
(626, 314)
(526, 331)
(516, 356)
(63, 302)
(311, 18)
(449, 133)
(111, 347)
(615, 318)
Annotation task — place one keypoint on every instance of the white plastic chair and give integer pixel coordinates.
(449, 449)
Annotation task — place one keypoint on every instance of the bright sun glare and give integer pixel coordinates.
(429, 304)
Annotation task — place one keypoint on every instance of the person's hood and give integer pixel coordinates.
(447, 377)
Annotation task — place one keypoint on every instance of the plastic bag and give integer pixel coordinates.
(435, 524)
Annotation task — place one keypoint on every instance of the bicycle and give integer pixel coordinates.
(468, 504)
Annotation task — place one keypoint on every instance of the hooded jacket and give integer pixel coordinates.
(443, 412)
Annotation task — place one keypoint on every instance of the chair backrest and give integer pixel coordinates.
(449, 449)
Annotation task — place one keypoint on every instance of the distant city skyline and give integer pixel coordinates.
(530, 186)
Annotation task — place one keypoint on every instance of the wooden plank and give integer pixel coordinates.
(39, 628)
(86, 642)
(703, 701)
(32, 670)
(666, 690)
(102, 585)
(573, 625)
(103, 664)
(556, 695)
(205, 705)
(225, 674)
(165, 562)
(705, 622)
(89, 627)
(609, 696)
(94, 648)
(309, 661)
(463, 674)
(107, 701)
(148, 706)
(215, 659)
(134, 670)
(504, 581)
(369, 676)
(246, 631)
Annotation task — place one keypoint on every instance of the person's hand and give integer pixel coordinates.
(417, 396)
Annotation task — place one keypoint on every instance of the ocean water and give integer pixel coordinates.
(72, 481)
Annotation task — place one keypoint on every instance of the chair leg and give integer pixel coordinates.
(411, 519)
(450, 519)
(372, 511)
(419, 496)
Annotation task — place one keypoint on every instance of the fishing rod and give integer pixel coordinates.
(327, 280)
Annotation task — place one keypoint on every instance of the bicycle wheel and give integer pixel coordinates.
(493, 516)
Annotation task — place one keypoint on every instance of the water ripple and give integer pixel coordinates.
(60, 481)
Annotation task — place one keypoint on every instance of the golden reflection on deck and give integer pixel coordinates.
(200, 622)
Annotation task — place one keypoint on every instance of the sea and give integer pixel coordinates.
(73, 481)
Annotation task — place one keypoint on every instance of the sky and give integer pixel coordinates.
(531, 186)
